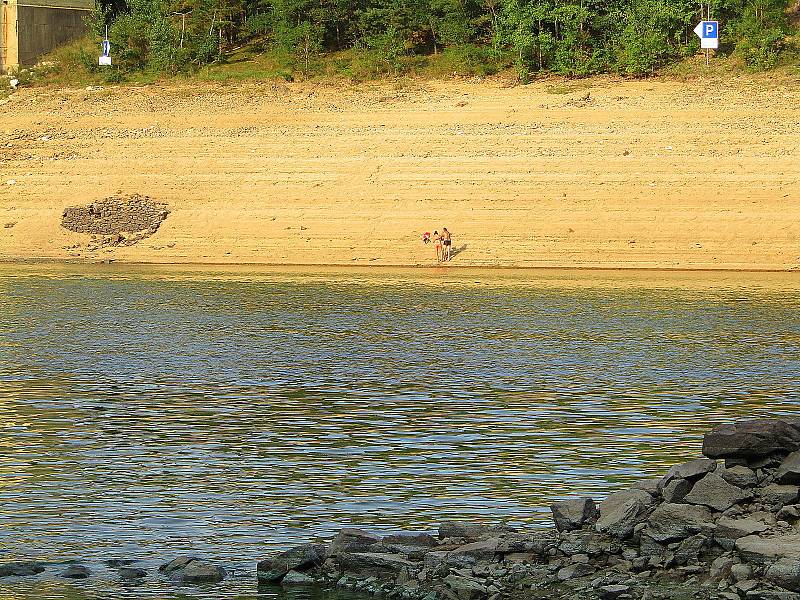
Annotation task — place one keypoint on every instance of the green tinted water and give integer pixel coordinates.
(149, 412)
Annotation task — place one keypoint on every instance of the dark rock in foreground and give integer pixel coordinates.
(76, 572)
(302, 558)
(753, 439)
(21, 568)
(190, 569)
(132, 573)
(574, 514)
(703, 531)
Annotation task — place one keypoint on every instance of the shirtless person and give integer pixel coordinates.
(447, 243)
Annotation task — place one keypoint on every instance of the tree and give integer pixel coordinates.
(572, 37)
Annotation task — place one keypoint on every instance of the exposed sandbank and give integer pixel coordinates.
(652, 175)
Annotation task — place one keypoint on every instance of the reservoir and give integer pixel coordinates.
(228, 412)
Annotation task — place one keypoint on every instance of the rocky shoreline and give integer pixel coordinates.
(707, 529)
(726, 526)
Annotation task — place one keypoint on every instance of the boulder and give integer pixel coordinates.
(466, 588)
(742, 587)
(540, 542)
(789, 469)
(785, 573)
(676, 490)
(131, 573)
(190, 569)
(611, 592)
(752, 438)
(672, 522)
(776, 495)
(201, 571)
(575, 570)
(651, 486)
(688, 551)
(572, 514)
(413, 545)
(350, 539)
(649, 548)
(763, 551)
(691, 470)
(297, 578)
(789, 513)
(733, 529)
(741, 572)
(372, 561)
(621, 511)
(437, 558)
(485, 549)
(739, 475)
(721, 567)
(76, 572)
(713, 491)
(275, 568)
(21, 568)
(589, 542)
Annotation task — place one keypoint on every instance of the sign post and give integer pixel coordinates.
(708, 32)
(105, 57)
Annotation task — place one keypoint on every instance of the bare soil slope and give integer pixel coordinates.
(636, 174)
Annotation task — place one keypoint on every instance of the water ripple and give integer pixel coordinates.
(143, 416)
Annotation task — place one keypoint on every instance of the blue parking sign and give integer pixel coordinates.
(708, 32)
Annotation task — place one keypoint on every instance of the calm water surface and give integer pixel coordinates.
(146, 413)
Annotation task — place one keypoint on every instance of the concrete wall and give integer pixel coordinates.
(32, 28)
(40, 30)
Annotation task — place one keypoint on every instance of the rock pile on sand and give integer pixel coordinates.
(116, 220)
(725, 526)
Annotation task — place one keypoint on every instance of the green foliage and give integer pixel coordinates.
(157, 36)
(470, 59)
(570, 37)
(388, 47)
(651, 34)
(302, 41)
(761, 32)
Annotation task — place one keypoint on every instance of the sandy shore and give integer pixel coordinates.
(638, 175)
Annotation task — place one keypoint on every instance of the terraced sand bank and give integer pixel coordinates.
(644, 174)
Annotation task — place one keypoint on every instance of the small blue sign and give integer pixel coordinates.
(106, 48)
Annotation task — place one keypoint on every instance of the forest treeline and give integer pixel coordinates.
(571, 37)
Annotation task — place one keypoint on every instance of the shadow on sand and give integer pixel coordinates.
(456, 251)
